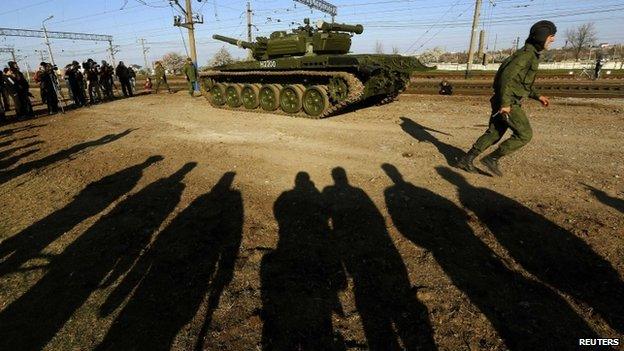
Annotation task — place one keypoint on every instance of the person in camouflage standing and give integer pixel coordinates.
(191, 74)
(106, 80)
(160, 77)
(513, 82)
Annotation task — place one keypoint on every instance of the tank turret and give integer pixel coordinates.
(326, 38)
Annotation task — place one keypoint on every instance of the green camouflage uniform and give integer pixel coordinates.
(191, 76)
(160, 78)
(514, 81)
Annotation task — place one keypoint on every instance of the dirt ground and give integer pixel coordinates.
(158, 222)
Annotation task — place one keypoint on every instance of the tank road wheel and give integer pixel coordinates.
(291, 98)
(269, 97)
(337, 89)
(207, 84)
(315, 100)
(217, 95)
(233, 95)
(251, 96)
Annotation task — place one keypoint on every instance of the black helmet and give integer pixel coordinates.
(539, 32)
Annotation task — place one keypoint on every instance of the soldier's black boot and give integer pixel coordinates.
(491, 162)
(467, 161)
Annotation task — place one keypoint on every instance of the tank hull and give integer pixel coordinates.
(333, 82)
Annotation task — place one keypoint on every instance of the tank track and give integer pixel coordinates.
(355, 86)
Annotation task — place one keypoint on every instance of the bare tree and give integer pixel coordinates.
(221, 57)
(395, 50)
(173, 62)
(581, 37)
(379, 49)
(432, 55)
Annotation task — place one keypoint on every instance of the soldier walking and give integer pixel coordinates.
(160, 77)
(191, 75)
(513, 82)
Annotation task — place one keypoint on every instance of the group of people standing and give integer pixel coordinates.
(97, 81)
(89, 83)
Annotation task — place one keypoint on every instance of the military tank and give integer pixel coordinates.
(307, 73)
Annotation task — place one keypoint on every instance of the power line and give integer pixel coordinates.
(25, 7)
(427, 31)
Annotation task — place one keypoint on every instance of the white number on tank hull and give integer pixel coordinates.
(268, 64)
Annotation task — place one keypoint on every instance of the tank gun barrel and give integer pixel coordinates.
(340, 27)
(239, 43)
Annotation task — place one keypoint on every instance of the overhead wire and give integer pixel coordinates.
(384, 18)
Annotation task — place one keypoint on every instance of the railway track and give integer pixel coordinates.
(562, 88)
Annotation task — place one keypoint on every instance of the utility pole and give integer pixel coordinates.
(191, 31)
(190, 20)
(481, 44)
(249, 24)
(47, 40)
(10, 51)
(189, 23)
(112, 49)
(473, 35)
(145, 50)
(40, 52)
(517, 42)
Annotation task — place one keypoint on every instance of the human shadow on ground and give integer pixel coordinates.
(191, 258)
(606, 199)
(421, 133)
(9, 142)
(24, 168)
(392, 316)
(526, 314)
(551, 253)
(301, 277)
(94, 198)
(11, 131)
(8, 162)
(96, 259)
(9, 152)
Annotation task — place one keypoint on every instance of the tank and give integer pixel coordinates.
(307, 73)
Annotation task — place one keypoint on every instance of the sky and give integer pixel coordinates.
(411, 26)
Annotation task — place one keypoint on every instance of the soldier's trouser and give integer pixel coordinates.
(5, 99)
(158, 83)
(191, 87)
(519, 124)
(94, 91)
(107, 88)
(51, 100)
(126, 89)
